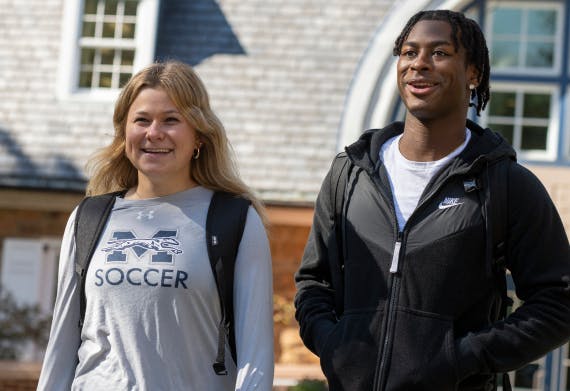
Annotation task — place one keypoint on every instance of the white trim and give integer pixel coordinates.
(68, 69)
(146, 31)
(375, 73)
(564, 380)
(553, 121)
(566, 129)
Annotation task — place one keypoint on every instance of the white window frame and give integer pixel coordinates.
(551, 151)
(558, 7)
(564, 379)
(69, 59)
(566, 129)
(560, 363)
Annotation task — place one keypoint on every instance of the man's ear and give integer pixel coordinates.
(473, 76)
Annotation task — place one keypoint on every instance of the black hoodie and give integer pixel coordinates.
(432, 324)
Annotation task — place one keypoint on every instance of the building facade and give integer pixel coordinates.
(293, 81)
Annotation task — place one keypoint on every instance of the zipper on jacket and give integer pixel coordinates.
(389, 324)
(396, 256)
(380, 378)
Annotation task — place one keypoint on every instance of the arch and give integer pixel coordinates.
(373, 94)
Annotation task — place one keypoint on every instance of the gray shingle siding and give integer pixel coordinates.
(277, 73)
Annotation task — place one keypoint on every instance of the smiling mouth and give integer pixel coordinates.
(156, 150)
(420, 88)
(420, 84)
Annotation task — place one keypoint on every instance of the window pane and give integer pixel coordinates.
(105, 79)
(128, 30)
(107, 56)
(505, 53)
(536, 105)
(124, 78)
(107, 65)
(87, 56)
(541, 22)
(90, 7)
(502, 104)
(85, 79)
(525, 377)
(88, 29)
(108, 30)
(111, 7)
(127, 57)
(506, 131)
(506, 21)
(534, 137)
(540, 54)
(131, 7)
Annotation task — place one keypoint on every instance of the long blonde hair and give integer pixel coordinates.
(215, 169)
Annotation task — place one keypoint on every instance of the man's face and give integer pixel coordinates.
(433, 78)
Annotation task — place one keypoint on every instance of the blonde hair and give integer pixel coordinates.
(215, 169)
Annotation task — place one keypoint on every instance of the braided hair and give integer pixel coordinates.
(473, 41)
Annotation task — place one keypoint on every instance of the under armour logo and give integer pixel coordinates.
(145, 215)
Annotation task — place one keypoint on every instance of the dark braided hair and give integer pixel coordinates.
(472, 40)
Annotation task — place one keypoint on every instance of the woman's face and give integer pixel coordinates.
(159, 141)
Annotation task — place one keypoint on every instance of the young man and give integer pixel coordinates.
(401, 291)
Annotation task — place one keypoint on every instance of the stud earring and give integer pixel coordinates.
(471, 86)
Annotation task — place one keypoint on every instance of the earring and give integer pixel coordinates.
(196, 153)
(471, 86)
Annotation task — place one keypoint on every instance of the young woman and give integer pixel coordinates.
(151, 319)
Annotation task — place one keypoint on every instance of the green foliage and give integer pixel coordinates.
(310, 385)
(20, 324)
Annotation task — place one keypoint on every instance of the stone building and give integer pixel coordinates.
(293, 82)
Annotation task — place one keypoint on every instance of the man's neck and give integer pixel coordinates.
(425, 141)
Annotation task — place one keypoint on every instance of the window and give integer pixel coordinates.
(523, 38)
(525, 115)
(29, 275)
(107, 43)
(102, 46)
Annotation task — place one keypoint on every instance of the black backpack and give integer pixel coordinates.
(224, 228)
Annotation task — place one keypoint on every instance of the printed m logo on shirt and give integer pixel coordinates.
(163, 245)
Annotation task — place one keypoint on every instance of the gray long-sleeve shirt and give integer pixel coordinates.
(152, 305)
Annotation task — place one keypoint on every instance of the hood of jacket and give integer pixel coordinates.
(485, 146)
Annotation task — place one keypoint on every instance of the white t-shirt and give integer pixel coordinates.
(408, 179)
(152, 313)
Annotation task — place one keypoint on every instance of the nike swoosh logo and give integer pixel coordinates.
(447, 206)
(449, 202)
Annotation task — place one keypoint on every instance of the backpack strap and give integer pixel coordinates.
(340, 172)
(91, 216)
(339, 176)
(224, 229)
(495, 204)
(498, 176)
